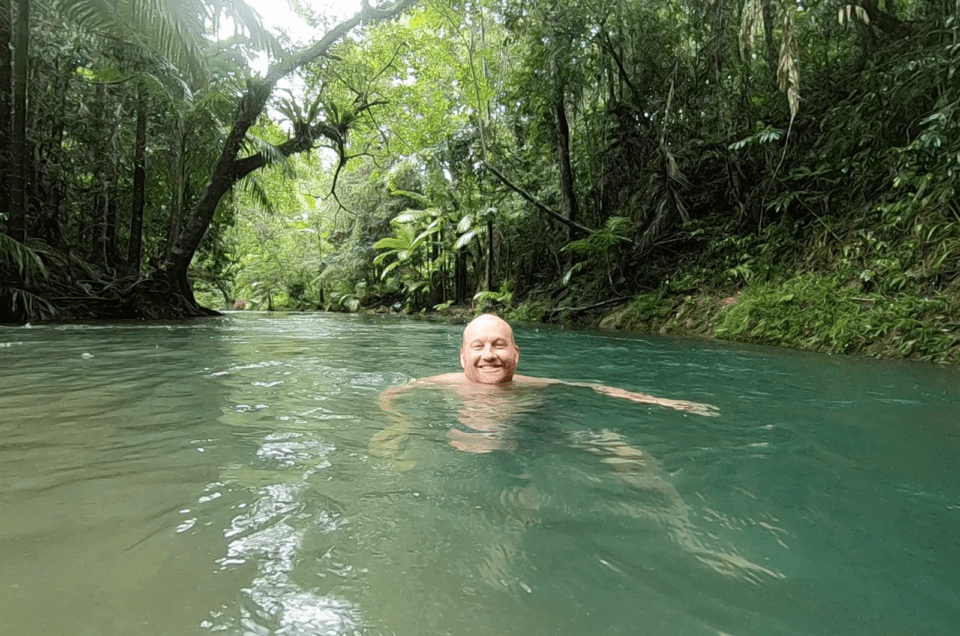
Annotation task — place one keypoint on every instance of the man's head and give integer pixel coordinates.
(488, 354)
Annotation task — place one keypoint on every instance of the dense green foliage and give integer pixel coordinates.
(777, 172)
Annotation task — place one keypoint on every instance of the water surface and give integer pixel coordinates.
(217, 476)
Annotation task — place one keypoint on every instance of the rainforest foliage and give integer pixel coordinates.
(776, 172)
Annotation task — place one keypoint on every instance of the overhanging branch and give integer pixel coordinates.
(321, 47)
(553, 214)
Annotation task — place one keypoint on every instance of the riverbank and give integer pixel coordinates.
(805, 312)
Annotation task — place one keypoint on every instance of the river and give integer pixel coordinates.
(217, 476)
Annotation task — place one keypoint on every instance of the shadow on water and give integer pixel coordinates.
(216, 476)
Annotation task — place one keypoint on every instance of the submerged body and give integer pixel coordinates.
(490, 394)
(491, 391)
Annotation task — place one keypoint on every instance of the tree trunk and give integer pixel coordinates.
(102, 180)
(179, 187)
(110, 216)
(6, 95)
(135, 251)
(460, 276)
(52, 161)
(229, 169)
(772, 57)
(568, 198)
(489, 254)
(17, 217)
(225, 174)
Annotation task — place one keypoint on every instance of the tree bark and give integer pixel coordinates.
(178, 185)
(460, 276)
(768, 26)
(568, 198)
(229, 169)
(489, 254)
(17, 213)
(6, 95)
(51, 160)
(135, 249)
(110, 216)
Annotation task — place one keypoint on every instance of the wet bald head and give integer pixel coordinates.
(484, 322)
(488, 354)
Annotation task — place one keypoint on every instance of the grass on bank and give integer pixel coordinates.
(806, 311)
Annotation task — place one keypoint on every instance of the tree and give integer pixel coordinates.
(6, 98)
(17, 217)
(231, 167)
(135, 250)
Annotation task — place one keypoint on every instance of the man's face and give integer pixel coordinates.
(488, 354)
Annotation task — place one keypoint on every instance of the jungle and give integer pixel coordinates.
(781, 173)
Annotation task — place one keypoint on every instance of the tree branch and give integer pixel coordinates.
(556, 216)
(553, 214)
(574, 310)
(319, 48)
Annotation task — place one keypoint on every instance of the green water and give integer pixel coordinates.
(216, 477)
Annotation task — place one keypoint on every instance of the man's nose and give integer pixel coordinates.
(488, 352)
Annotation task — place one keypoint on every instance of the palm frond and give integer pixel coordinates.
(464, 224)
(21, 258)
(172, 28)
(244, 15)
(255, 189)
(271, 153)
(392, 243)
(28, 305)
(415, 216)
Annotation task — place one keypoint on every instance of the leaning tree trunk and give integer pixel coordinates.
(229, 168)
(226, 173)
(17, 217)
(135, 249)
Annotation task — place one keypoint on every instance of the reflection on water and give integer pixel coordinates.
(217, 476)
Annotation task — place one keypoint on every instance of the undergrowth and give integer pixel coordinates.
(824, 314)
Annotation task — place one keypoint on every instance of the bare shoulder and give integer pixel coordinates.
(445, 379)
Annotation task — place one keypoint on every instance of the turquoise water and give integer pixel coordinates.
(218, 477)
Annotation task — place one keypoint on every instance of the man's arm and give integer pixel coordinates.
(389, 442)
(707, 410)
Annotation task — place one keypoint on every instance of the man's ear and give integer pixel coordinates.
(518, 353)
(463, 363)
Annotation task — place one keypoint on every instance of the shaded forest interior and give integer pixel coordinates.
(782, 173)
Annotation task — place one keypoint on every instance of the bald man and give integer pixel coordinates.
(491, 390)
